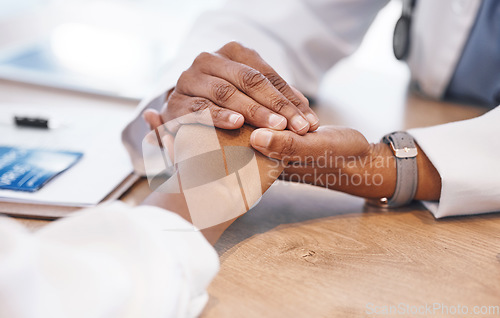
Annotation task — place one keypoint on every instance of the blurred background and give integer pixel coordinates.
(110, 47)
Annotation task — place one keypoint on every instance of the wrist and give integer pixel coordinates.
(374, 174)
(383, 165)
(429, 180)
(405, 154)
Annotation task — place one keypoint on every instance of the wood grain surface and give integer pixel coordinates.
(309, 252)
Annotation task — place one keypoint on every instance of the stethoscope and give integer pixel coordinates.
(401, 39)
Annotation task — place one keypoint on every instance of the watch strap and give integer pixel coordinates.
(405, 151)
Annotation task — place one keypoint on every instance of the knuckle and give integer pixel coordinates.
(222, 92)
(175, 104)
(183, 79)
(231, 47)
(203, 57)
(252, 110)
(251, 52)
(252, 79)
(184, 75)
(199, 105)
(288, 147)
(278, 104)
(296, 101)
(281, 85)
(235, 49)
(277, 81)
(173, 99)
(216, 112)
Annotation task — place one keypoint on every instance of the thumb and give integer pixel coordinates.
(285, 144)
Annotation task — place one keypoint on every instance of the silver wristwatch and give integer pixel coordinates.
(405, 151)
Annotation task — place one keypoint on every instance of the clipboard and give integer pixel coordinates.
(52, 212)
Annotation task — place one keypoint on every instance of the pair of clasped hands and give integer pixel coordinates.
(237, 86)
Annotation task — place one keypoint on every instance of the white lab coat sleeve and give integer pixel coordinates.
(466, 155)
(110, 261)
(300, 39)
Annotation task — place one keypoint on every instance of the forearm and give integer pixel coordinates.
(372, 174)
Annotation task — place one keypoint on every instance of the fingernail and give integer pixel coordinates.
(276, 120)
(313, 120)
(299, 123)
(234, 118)
(262, 138)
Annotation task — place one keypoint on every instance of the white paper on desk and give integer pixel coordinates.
(94, 131)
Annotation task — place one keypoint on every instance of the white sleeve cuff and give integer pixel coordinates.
(466, 154)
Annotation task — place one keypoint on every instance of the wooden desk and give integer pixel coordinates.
(306, 252)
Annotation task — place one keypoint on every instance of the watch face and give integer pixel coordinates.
(401, 40)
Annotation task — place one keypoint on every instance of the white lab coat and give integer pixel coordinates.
(110, 261)
(302, 39)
